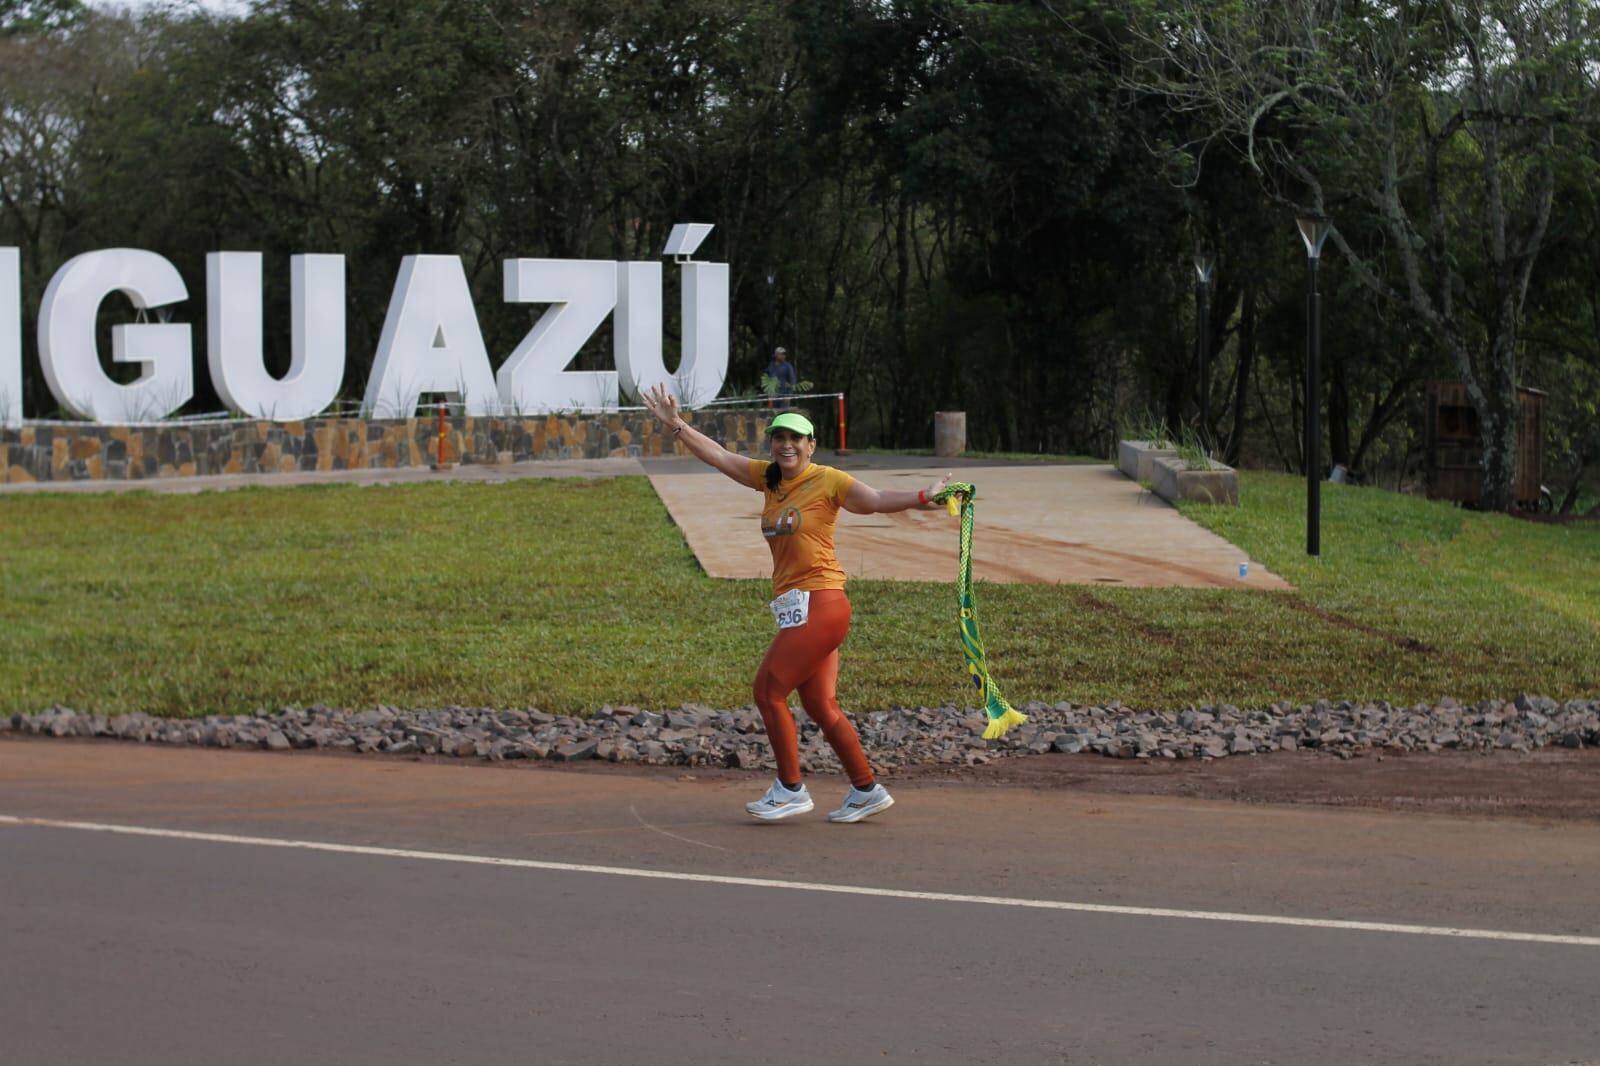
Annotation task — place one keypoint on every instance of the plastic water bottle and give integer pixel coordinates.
(1244, 569)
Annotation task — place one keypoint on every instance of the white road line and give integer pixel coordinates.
(810, 886)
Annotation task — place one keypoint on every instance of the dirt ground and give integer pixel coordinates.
(1550, 784)
(1556, 784)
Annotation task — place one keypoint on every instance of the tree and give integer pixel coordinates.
(18, 17)
(1024, 237)
(1430, 131)
(1563, 338)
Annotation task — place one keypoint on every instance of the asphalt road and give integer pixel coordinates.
(192, 949)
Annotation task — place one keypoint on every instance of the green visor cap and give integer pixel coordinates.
(795, 421)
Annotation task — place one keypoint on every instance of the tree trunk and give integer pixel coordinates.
(1497, 425)
(1247, 358)
(1384, 411)
(1570, 500)
(902, 278)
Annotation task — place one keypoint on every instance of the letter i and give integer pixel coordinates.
(10, 337)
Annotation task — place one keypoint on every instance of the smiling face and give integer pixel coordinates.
(791, 451)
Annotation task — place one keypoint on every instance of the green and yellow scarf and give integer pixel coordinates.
(958, 498)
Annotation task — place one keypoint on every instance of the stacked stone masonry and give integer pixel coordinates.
(86, 451)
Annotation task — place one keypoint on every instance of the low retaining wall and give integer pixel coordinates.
(1173, 481)
(88, 451)
(1135, 456)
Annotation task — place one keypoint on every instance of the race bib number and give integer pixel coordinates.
(792, 608)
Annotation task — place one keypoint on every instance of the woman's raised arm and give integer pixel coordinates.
(664, 406)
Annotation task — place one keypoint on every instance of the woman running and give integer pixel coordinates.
(801, 502)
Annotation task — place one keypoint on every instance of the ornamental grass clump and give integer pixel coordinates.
(1192, 452)
(1145, 426)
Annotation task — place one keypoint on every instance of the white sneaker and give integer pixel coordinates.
(779, 802)
(859, 804)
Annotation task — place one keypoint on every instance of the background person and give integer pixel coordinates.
(800, 505)
(783, 371)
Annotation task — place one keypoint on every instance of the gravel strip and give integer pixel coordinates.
(701, 736)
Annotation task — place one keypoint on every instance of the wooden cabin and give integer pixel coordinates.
(1455, 451)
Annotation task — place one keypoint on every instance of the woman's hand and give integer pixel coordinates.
(936, 488)
(661, 403)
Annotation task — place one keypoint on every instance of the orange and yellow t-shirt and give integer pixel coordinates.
(797, 518)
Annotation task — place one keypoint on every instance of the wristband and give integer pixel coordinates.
(922, 497)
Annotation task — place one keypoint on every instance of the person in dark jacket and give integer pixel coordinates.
(783, 371)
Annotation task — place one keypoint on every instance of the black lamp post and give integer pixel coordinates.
(1204, 265)
(1313, 230)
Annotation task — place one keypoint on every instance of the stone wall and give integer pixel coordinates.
(86, 451)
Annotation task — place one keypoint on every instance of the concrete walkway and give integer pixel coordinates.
(1038, 523)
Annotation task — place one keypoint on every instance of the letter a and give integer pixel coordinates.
(430, 343)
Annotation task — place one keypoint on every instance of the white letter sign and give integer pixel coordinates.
(431, 342)
(10, 337)
(70, 359)
(581, 292)
(703, 365)
(234, 332)
(636, 328)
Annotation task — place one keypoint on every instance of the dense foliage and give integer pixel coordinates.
(933, 204)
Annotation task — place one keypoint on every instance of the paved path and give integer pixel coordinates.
(377, 927)
(1037, 523)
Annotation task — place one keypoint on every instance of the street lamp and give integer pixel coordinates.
(1204, 265)
(1313, 230)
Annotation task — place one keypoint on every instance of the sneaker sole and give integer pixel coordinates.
(863, 812)
(782, 812)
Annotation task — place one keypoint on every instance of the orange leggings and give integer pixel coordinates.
(807, 658)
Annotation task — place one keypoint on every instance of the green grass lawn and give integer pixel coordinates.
(566, 595)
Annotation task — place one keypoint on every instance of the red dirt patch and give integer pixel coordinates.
(1551, 783)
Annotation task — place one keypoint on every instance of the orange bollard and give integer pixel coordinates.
(441, 435)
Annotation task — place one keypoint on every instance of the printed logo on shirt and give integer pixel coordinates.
(787, 524)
